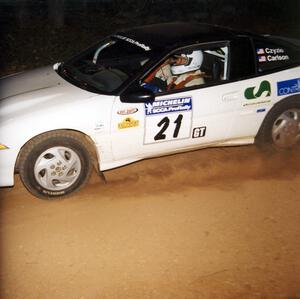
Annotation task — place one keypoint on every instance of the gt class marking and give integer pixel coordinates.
(199, 132)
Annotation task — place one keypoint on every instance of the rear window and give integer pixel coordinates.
(272, 54)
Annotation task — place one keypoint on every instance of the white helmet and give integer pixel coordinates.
(194, 61)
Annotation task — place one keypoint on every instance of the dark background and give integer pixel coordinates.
(41, 32)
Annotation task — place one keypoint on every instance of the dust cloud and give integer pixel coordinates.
(204, 168)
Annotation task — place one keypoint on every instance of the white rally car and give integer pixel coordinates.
(146, 92)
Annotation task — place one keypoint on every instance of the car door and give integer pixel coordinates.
(127, 130)
(145, 129)
(180, 119)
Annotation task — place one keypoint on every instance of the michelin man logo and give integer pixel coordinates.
(148, 107)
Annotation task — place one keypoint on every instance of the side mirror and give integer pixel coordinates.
(140, 95)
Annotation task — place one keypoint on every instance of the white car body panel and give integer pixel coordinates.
(55, 104)
(58, 105)
(208, 110)
(229, 118)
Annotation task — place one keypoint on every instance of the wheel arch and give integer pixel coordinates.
(80, 134)
(290, 99)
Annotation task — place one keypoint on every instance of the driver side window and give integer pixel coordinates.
(189, 67)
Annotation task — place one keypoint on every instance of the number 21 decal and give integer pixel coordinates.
(168, 119)
(164, 123)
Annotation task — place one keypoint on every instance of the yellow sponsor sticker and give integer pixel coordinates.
(128, 122)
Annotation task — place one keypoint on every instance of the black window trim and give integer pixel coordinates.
(139, 80)
(273, 70)
(136, 81)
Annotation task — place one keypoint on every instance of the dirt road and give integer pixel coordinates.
(216, 223)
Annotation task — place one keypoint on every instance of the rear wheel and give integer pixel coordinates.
(55, 164)
(286, 129)
(281, 128)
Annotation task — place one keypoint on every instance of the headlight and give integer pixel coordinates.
(2, 146)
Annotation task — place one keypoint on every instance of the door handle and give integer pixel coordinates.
(230, 97)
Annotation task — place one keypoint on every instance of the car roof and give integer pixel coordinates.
(171, 35)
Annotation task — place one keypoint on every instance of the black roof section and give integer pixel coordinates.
(171, 35)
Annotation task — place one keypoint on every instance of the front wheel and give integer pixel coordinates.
(281, 128)
(55, 164)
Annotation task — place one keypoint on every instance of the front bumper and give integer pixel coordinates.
(8, 159)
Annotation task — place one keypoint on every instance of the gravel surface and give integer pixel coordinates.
(214, 223)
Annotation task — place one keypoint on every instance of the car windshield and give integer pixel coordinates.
(104, 67)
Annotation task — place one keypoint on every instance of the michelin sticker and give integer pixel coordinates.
(271, 55)
(167, 106)
(168, 119)
(288, 87)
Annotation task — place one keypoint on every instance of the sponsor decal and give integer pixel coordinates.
(99, 126)
(264, 88)
(132, 41)
(264, 91)
(260, 110)
(257, 103)
(288, 87)
(199, 132)
(271, 54)
(128, 122)
(127, 111)
(169, 105)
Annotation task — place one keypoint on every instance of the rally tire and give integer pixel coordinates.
(55, 164)
(281, 128)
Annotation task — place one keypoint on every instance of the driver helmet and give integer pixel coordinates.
(192, 62)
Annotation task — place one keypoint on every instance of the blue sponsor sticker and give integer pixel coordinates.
(288, 87)
(261, 110)
(168, 106)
